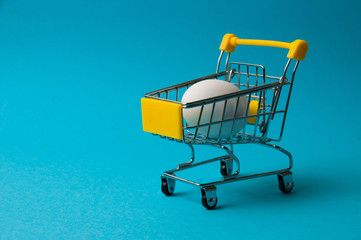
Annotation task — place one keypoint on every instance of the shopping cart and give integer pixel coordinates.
(268, 100)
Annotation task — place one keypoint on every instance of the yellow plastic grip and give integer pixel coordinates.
(297, 49)
(162, 117)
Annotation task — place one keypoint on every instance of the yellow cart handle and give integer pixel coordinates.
(297, 49)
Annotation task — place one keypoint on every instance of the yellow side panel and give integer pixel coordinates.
(162, 117)
(253, 109)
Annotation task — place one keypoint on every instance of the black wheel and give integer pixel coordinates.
(168, 191)
(284, 188)
(224, 169)
(211, 204)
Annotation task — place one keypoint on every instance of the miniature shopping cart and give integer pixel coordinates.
(267, 104)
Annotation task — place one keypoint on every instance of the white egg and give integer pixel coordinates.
(209, 89)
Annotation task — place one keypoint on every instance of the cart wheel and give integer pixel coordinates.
(285, 182)
(226, 167)
(284, 188)
(209, 197)
(168, 186)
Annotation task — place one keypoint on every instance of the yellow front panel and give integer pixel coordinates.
(162, 117)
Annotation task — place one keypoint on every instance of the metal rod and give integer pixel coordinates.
(288, 99)
(219, 61)
(196, 164)
(182, 165)
(282, 80)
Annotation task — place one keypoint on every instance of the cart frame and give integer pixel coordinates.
(266, 97)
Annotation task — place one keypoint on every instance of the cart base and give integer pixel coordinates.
(208, 190)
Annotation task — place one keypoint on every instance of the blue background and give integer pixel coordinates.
(75, 163)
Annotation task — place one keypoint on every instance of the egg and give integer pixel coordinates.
(213, 88)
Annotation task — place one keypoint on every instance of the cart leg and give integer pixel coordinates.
(285, 181)
(190, 162)
(209, 197)
(168, 186)
(226, 166)
(278, 148)
(285, 178)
